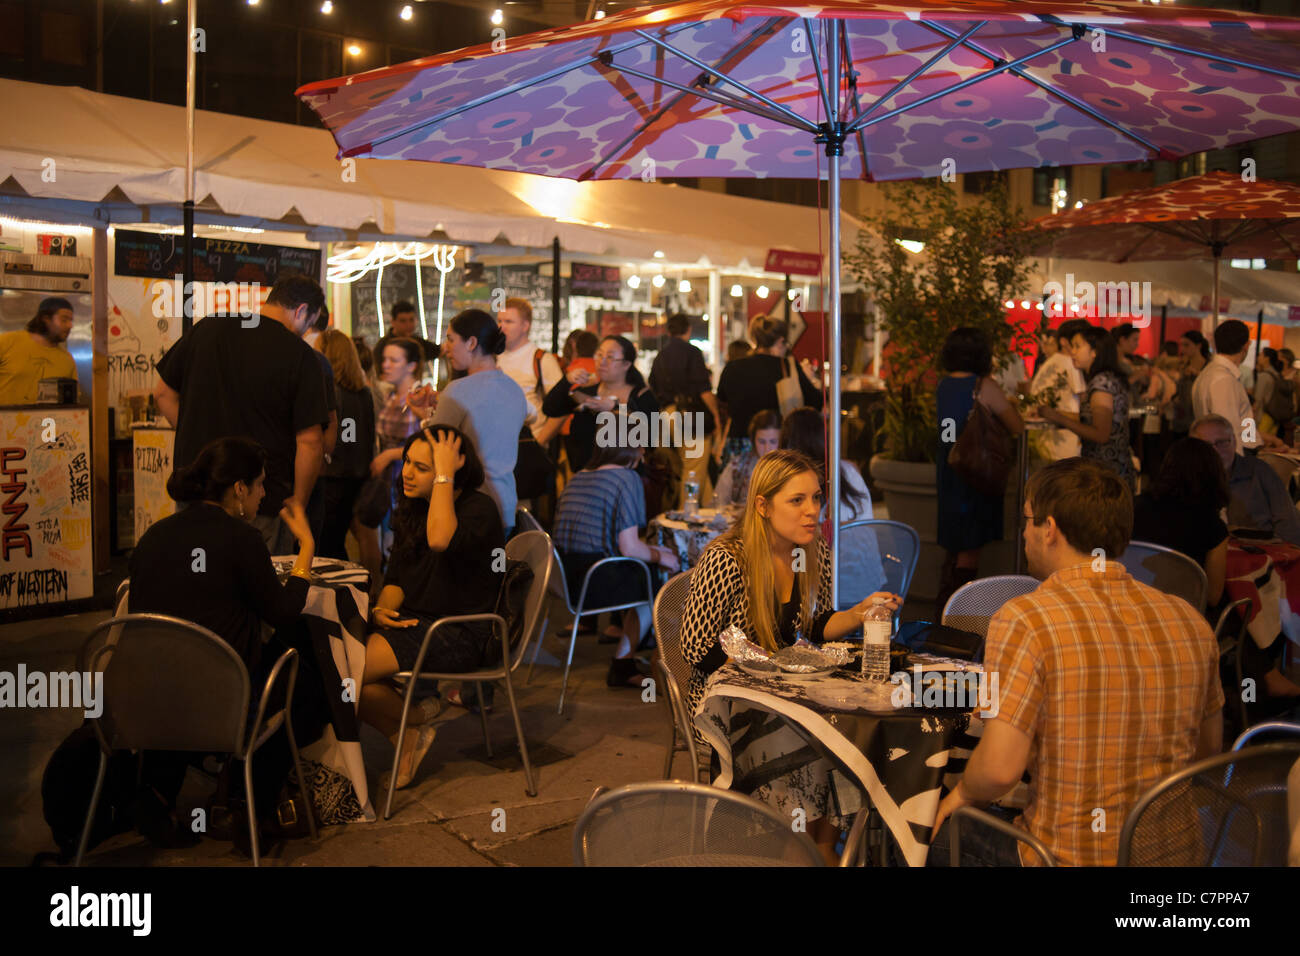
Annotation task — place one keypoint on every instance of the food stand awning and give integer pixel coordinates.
(105, 149)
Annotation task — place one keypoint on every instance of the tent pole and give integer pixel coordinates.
(834, 152)
(1214, 306)
(555, 295)
(1164, 313)
(187, 246)
(1259, 338)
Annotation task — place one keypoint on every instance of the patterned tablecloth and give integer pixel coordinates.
(338, 606)
(901, 757)
(687, 539)
(1268, 573)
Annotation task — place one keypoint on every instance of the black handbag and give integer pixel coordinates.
(534, 469)
(373, 501)
(983, 454)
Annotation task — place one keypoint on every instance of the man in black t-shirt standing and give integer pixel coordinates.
(256, 378)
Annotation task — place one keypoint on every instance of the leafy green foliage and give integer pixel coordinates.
(973, 262)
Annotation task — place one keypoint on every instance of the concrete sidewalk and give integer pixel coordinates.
(606, 737)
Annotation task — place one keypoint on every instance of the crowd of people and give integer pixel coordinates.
(312, 446)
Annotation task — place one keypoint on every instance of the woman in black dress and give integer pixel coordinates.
(968, 519)
(447, 538)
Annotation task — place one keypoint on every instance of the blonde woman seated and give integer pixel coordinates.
(748, 578)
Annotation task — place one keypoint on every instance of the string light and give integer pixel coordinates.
(498, 17)
(634, 282)
(763, 291)
(657, 282)
(407, 12)
(327, 7)
(684, 285)
(737, 291)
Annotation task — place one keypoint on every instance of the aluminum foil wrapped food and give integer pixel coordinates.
(806, 659)
(740, 648)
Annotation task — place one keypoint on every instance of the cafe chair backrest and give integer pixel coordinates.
(897, 544)
(669, 608)
(1226, 810)
(973, 604)
(533, 548)
(1166, 570)
(671, 823)
(168, 685)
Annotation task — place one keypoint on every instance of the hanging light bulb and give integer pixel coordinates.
(657, 282)
(634, 282)
(763, 291)
(498, 17)
(1009, 304)
(684, 285)
(737, 291)
(407, 12)
(327, 7)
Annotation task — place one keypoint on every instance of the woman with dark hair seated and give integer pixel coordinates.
(1181, 511)
(617, 384)
(446, 533)
(600, 515)
(764, 436)
(208, 564)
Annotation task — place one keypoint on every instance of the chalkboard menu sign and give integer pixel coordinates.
(603, 282)
(153, 255)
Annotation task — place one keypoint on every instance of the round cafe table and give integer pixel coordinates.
(334, 617)
(687, 537)
(902, 759)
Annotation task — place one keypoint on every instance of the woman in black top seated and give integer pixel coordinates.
(770, 576)
(208, 564)
(448, 535)
(1181, 511)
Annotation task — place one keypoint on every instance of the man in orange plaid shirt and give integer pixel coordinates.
(1106, 685)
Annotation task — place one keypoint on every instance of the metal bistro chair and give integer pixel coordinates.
(984, 818)
(1166, 570)
(973, 605)
(899, 546)
(673, 823)
(525, 520)
(1230, 633)
(200, 705)
(1226, 810)
(534, 549)
(560, 589)
(674, 672)
(1279, 729)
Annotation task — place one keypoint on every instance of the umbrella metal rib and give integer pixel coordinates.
(1203, 54)
(855, 125)
(1050, 90)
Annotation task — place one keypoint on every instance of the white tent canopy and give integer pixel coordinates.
(1185, 286)
(70, 144)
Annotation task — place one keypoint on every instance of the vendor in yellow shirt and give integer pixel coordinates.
(36, 352)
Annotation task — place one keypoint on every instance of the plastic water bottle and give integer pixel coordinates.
(877, 626)
(692, 504)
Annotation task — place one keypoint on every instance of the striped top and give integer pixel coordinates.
(595, 507)
(1111, 679)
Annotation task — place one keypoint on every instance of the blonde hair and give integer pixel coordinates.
(750, 542)
(342, 354)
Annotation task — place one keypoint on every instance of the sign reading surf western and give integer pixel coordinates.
(45, 539)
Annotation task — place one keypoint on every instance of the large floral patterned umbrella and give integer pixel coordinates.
(872, 90)
(1204, 217)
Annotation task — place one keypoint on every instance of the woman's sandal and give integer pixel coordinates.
(422, 744)
(623, 672)
(456, 700)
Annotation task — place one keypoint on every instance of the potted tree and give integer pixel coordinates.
(972, 261)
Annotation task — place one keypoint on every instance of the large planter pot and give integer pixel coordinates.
(912, 497)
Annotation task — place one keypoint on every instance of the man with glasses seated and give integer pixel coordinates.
(1105, 685)
(1257, 498)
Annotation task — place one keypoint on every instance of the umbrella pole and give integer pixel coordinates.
(187, 210)
(1215, 304)
(834, 153)
(555, 295)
